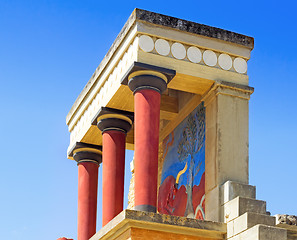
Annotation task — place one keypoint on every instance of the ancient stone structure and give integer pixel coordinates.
(289, 222)
(177, 93)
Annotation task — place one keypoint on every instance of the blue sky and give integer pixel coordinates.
(49, 50)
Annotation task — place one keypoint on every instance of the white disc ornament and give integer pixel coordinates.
(146, 43)
(194, 54)
(240, 65)
(225, 61)
(210, 58)
(162, 47)
(178, 51)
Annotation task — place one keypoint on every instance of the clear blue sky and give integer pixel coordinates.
(50, 49)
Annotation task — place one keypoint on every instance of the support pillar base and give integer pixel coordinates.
(145, 208)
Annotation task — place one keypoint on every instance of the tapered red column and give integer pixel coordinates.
(113, 174)
(114, 125)
(147, 89)
(87, 199)
(147, 118)
(88, 158)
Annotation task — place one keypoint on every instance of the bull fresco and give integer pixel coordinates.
(182, 188)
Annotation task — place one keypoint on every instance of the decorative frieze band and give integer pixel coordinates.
(110, 79)
(192, 54)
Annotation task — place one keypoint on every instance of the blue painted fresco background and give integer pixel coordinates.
(182, 188)
(172, 165)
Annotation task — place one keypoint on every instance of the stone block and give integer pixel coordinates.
(130, 224)
(231, 190)
(246, 221)
(240, 205)
(262, 232)
(230, 229)
(213, 209)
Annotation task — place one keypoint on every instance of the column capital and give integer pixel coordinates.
(113, 119)
(144, 76)
(228, 89)
(85, 152)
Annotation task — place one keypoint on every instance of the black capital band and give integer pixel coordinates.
(117, 124)
(86, 156)
(147, 82)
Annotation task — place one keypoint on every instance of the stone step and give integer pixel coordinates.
(246, 221)
(241, 205)
(231, 190)
(261, 232)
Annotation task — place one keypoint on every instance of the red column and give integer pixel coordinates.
(147, 87)
(113, 174)
(114, 125)
(147, 118)
(88, 158)
(87, 199)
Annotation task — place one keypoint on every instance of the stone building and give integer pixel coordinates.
(177, 93)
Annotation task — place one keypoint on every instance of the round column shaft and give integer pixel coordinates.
(147, 118)
(88, 163)
(147, 97)
(113, 174)
(114, 127)
(87, 199)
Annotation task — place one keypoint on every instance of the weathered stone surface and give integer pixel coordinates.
(247, 221)
(286, 219)
(262, 232)
(240, 205)
(226, 151)
(192, 27)
(213, 209)
(173, 220)
(231, 190)
(161, 222)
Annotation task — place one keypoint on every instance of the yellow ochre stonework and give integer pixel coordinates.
(131, 224)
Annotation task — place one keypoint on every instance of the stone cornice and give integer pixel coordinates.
(192, 27)
(227, 88)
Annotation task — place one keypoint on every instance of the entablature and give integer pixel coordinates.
(200, 55)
